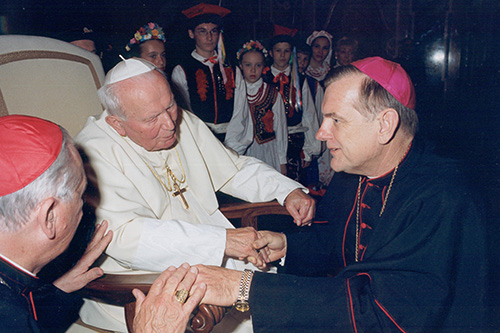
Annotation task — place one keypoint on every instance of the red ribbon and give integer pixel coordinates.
(283, 79)
(213, 59)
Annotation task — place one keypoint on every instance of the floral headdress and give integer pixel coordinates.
(147, 32)
(252, 45)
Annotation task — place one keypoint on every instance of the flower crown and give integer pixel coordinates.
(147, 32)
(252, 45)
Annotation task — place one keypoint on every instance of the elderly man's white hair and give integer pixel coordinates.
(60, 180)
(127, 69)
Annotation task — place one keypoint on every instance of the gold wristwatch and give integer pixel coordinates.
(242, 301)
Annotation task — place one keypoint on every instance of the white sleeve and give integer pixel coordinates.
(258, 182)
(239, 133)
(173, 242)
(180, 81)
(280, 129)
(141, 240)
(310, 120)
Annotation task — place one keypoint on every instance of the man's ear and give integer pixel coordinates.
(191, 33)
(47, 216)
(116, 123)
(388, 124)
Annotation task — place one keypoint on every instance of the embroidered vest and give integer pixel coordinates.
(288, 93)
(263, 116)
(210, 98)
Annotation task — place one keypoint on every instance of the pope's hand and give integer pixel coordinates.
(301, 207)
(160, 311)
(239, 244)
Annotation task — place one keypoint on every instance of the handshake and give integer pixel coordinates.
(177, 291)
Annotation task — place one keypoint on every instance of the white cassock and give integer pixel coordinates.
(240, 133)
(151, 229)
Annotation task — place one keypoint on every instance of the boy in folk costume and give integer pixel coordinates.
(300, 110)
(204, 81)
(258, 127)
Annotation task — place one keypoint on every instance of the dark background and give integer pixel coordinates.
(457, 95)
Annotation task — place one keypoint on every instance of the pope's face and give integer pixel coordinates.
(206, 36)
(151, 113)
(350, 136)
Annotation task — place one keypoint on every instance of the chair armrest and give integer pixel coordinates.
(116, 289)
(248, 212)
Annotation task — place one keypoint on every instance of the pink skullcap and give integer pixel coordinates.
(391, 76)
(28, 147)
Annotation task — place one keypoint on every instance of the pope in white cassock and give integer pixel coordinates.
(158, 168)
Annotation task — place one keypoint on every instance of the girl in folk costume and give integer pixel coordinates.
(258, 127)
(319, 66)
(300, 110)
(149, 43)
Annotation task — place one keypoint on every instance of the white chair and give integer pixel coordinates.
(50, 79)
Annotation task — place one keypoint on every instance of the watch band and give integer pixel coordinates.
(243, 295)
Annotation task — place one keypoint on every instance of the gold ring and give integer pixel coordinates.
(181, 295)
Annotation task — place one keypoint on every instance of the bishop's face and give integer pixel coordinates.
(350, 136)
(151, 113)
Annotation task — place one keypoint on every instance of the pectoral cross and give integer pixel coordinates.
(179, 192)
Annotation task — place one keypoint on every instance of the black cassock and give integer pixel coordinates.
(422, 265)
(29, 305)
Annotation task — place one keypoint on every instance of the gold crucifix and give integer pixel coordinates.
(179, 192)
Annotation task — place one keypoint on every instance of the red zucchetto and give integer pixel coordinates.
(28, 147)
(391, 76)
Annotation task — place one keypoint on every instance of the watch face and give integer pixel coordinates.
(242, 306)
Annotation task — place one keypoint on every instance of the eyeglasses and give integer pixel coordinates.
(204, 33)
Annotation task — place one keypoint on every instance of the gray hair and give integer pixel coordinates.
(373, 98)
(60, 180)
(108, 94)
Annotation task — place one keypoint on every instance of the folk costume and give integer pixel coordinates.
(201, 84)
(206, 85)
(27, 304)
(258, 126)
(315, 78)
(302, 124)
(320, 72)
(162, 206)
(421, 263)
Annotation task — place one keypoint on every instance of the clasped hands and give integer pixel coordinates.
(257, 247)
